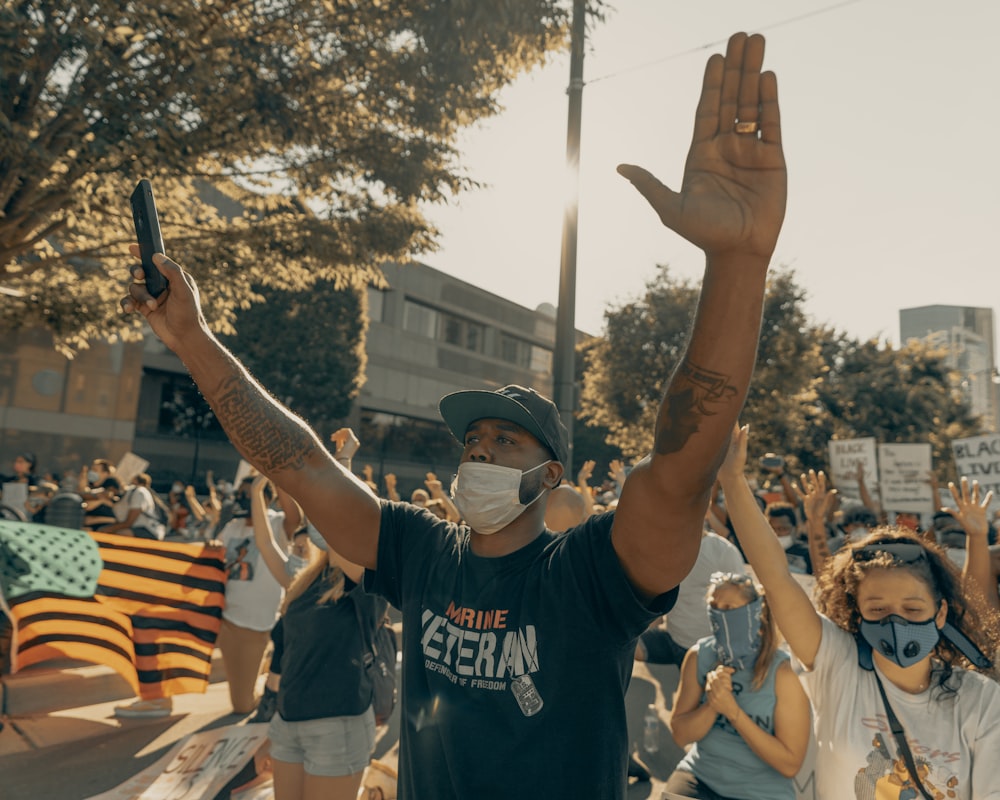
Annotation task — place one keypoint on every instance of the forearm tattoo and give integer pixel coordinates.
(261, 429)
(695, 393)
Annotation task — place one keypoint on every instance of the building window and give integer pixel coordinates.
(445, 327)
(184, 413)
(541, 360)
(462, 332)
(525, 355)
(420, 319)
(398, 438)
(376, 304)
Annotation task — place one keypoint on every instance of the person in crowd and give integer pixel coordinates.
(22, 470)
(368, 475)
(909, 520)
(869, 502)
(323, 733)
(617, 474)
(893, 637)
(27, 494)
(668, 640)
(775, 486)
(785, 524)
(855, 520)
(817, 502)
(65, 508)
(436, 507)
(506, 626)
(565, 508)
(238, 499)
(218, 492)
(949, 533)
(39, 497)
(135, 512)
(436, 491)
(391, 492)
(583, 477)
(188, 517)
(966, 541)
(100, 489)
(253, 597)
(739, 704)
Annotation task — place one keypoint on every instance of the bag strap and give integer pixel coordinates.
(900, 735)
(366, 642)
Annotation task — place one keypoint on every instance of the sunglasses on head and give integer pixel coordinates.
(730, 577)
(903, 552)
(739, 579)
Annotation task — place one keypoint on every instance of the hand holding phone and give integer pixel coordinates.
(147, 231)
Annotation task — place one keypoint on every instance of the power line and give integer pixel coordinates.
(718, 42)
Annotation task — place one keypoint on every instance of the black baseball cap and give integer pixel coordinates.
(536, 414)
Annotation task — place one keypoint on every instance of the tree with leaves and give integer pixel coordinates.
(644, 339)
(896, 396)
(810, 383)
(288, 142)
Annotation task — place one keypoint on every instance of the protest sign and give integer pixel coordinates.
(978, 459)
(904, 483)
(196, 768)
(130, 466)
(845, 456)
(244, 470)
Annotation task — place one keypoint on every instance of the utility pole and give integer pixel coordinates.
(563, 366)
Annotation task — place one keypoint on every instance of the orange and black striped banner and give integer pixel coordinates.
(52, 626)
(154, 618)
(174, 594)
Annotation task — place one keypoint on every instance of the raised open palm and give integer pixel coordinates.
(734, 189)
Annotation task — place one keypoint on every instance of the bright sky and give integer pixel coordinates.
(891, 120)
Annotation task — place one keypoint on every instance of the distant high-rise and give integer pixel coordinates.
(967, 334)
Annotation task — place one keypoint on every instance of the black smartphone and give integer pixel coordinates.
(147, 231)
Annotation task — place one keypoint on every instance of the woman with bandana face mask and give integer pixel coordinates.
(738, 703)
(905, 702)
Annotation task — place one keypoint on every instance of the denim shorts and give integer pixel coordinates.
(329, 747)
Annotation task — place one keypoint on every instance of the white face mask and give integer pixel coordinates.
(785, 542)
(488, 496)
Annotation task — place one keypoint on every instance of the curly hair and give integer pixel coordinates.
(837, 591)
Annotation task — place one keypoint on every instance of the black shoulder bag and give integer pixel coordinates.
(379, 660)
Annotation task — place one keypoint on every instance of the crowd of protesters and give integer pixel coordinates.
(808, 518)
(521, 615)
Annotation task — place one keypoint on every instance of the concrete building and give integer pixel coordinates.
(429, 334)
(967, 334)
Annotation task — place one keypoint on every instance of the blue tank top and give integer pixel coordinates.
(722, 759)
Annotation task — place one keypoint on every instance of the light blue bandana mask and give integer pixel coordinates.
(737, 633)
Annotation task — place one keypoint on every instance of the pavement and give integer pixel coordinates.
(63, 714)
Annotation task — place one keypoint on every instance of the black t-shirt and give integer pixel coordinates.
(514, 668)
(322, 673)
(113, 487)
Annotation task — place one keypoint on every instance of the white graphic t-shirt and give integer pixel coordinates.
(252, 593)
(955, 739)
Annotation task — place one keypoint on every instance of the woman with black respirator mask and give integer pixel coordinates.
(905, 702)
